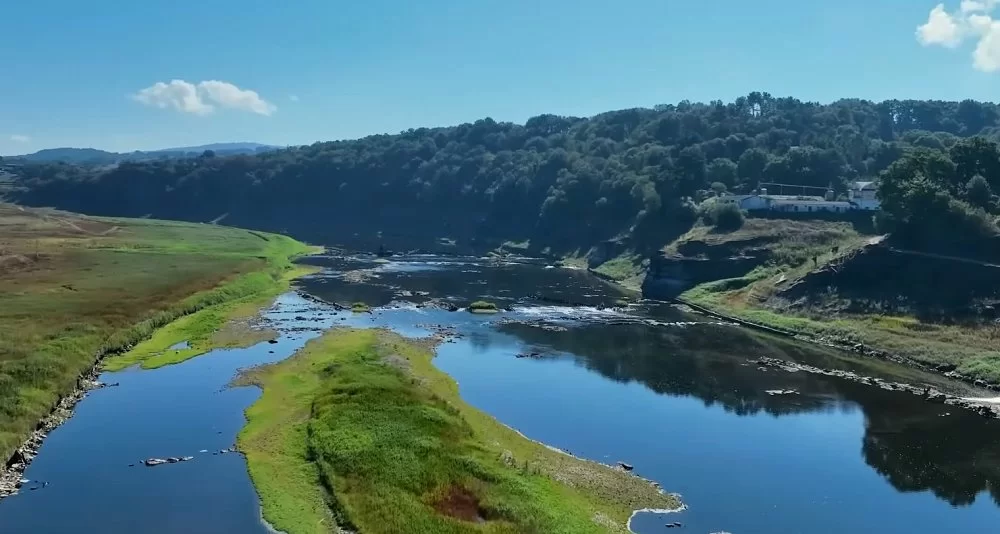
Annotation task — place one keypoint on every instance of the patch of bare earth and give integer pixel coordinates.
(461, 504)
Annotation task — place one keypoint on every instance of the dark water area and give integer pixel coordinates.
(674, 394)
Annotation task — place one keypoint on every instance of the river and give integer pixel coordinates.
(672, 393)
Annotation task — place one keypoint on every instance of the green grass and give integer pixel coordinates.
(360, 427)
(74, 289)
(482, 306)
(360, 307)
(628, 269)
(213, 326)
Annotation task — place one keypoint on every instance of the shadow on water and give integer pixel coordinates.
(915, 445)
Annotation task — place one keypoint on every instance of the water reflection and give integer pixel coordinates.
(915, 445)
(956, 457)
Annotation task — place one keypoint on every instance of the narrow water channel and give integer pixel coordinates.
(674, 394)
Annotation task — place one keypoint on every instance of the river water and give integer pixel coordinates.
(672, 393)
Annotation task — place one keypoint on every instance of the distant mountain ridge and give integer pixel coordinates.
(93, 156)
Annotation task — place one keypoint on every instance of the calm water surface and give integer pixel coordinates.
(671, 393)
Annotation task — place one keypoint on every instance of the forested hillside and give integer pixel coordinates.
(560, 182)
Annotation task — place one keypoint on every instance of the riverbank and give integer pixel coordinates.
(960, 352)
(230, 324)
(77, 290)
(386, 444)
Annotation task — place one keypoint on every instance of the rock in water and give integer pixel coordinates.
(152, 462)
(625, 466)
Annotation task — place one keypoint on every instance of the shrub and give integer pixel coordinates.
(725, 217)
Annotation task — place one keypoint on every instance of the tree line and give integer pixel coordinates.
(560, 182)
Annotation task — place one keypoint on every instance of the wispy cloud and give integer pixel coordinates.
(18, 138)
(203, 98)
(293, 98)
(973, 21)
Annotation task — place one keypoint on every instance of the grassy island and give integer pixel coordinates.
(359, 429)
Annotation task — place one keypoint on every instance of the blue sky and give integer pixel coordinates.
(76, 73)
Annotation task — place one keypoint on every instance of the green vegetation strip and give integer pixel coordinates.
(360, 428)
(222, 319)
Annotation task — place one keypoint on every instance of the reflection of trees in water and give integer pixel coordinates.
(693, 361)
(906, 440)
(956, 457)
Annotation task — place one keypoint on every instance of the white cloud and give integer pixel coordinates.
(178, 94)
(228, 95)
(986, 57)
(17, 138)
(980, 23)
(973, 21)
(293, 98)
(978, 6)
(203, 98)
(942, 28)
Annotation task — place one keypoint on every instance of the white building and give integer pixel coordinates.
(861, 197)
(786, 203)
(808, 205)
(864, 196)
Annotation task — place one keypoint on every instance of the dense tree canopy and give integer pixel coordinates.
(943, 200)
(561, 182)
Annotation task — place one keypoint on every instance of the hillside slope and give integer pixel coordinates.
(934, 311)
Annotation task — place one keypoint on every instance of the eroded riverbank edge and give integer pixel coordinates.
(275, 441)
(981, 406)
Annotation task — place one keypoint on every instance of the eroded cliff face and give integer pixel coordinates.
(881, 278)
(705, 254)
(697, 262)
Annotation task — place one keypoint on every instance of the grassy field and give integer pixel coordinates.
(74, 288)
(973, 350)
(360, 429)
